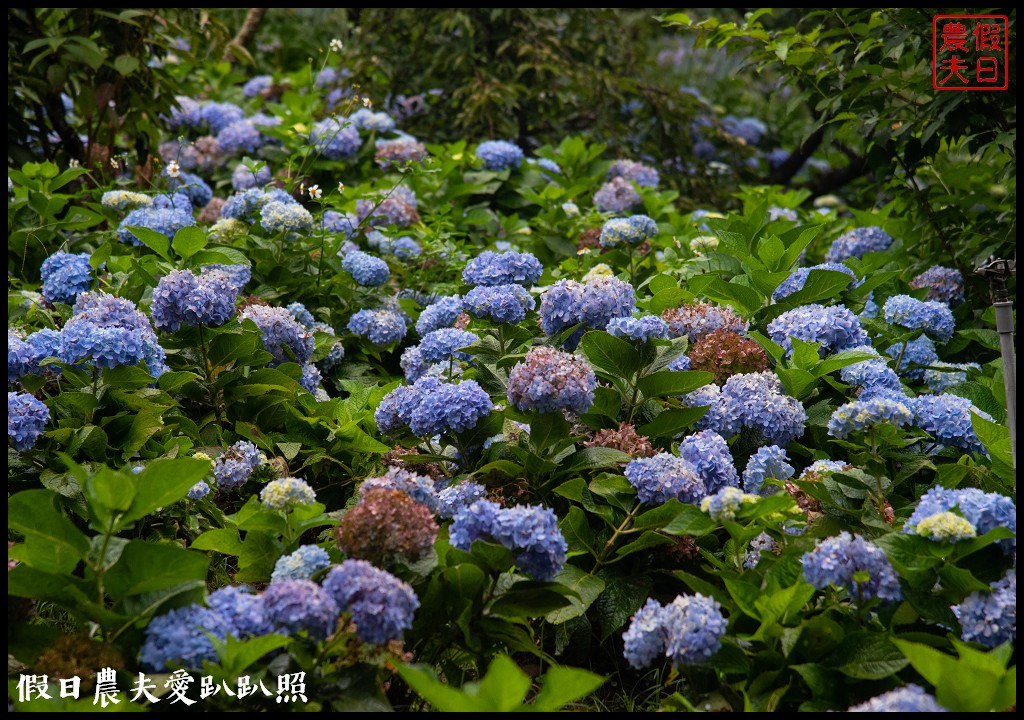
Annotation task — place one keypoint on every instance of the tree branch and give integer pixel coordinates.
(245, 33)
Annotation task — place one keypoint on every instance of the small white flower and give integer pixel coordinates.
(72, 163)
(114, 164)
(173, 169)
(315, 192)
(367, 102)
(341, 187)
(302, 188)
(336, 45)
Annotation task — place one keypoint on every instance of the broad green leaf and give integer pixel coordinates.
(55, 545)
(610, 354)
(562, 685)
(586, 586)
(867, 656)
(164, 482)
(673, 382)
(145, 567)
(188, 241)
(155, 241)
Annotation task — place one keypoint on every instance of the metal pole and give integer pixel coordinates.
(998, 271)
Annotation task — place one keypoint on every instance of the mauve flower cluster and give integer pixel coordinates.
(549, 380)
(64, 276)
(687, 631)
(643, 175)
(851, 562)
(944, 284)
(624, 438)
(530, 531)
(726, 353)
(695, 320)
(399, 208)
(419, 487)
(399, 151)
(617, 196)
(386, 525)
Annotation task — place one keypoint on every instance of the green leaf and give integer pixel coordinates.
(610, 354)
(621, 598)
(146, 566)
(586, 587)
(670, 423)
(867, 656)
(646, 540)
(144, 426)
(996, 439)
(53, 543)
(744, 298)
(691, 521)
(594, 458)
(155, 241)
(840, 360)
(528, 600)
(188, 241)
(222, 540)
(563, 685)
(673, 382)
(126, 64)
(163, 482)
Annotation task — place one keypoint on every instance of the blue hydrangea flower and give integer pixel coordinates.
(412, 363)
(241, 610)
(367, 270)
(617, 196)
(374, 121)
(437, 407)
(774, 213)
(335, 139)
(944, 285)
(491, 268)
(500, 303)
(198, 491)
(688, 631)
(381, 606)
(860, 414)
(382, 326)
(418, 487)
(286, 492)
(606, 298)
(292, 606)
(758, 401)
(662, 477)
(695, 320)
(443, 345)
(185, 112)
(909, 698)
(985, 511)
(24, 356)
(440, 313)
(302, 564)
(835, 327)
(500, 154)
(107, 331)
(240, 137)
(798, 279)
(990, 618)
(643, 175)
(842, 561)
(874, 377)
(934, 318)
(397, 208)
(281, 330)
(183, 298)
(549, 380)
(163, 220)
(245, 178)
(256, 84)
(336, 222)
(179, 638)
(402, 248)
(760, 544)
(26, 419)
(948, 419)
(768, 462)
(631, 231)
(914, 357)
(547, 166)
(560, 306)
(749, 129)
(530, 531)
(709, 454)
(455, 497)
(679, 364)
(858, 242)
(311, 378)
(301, 314)
(722, 416)
(233, 468)
(218, 115)
(65, 275)
(198, 191)
(247, 204)
(941, 376)
(639, 329)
